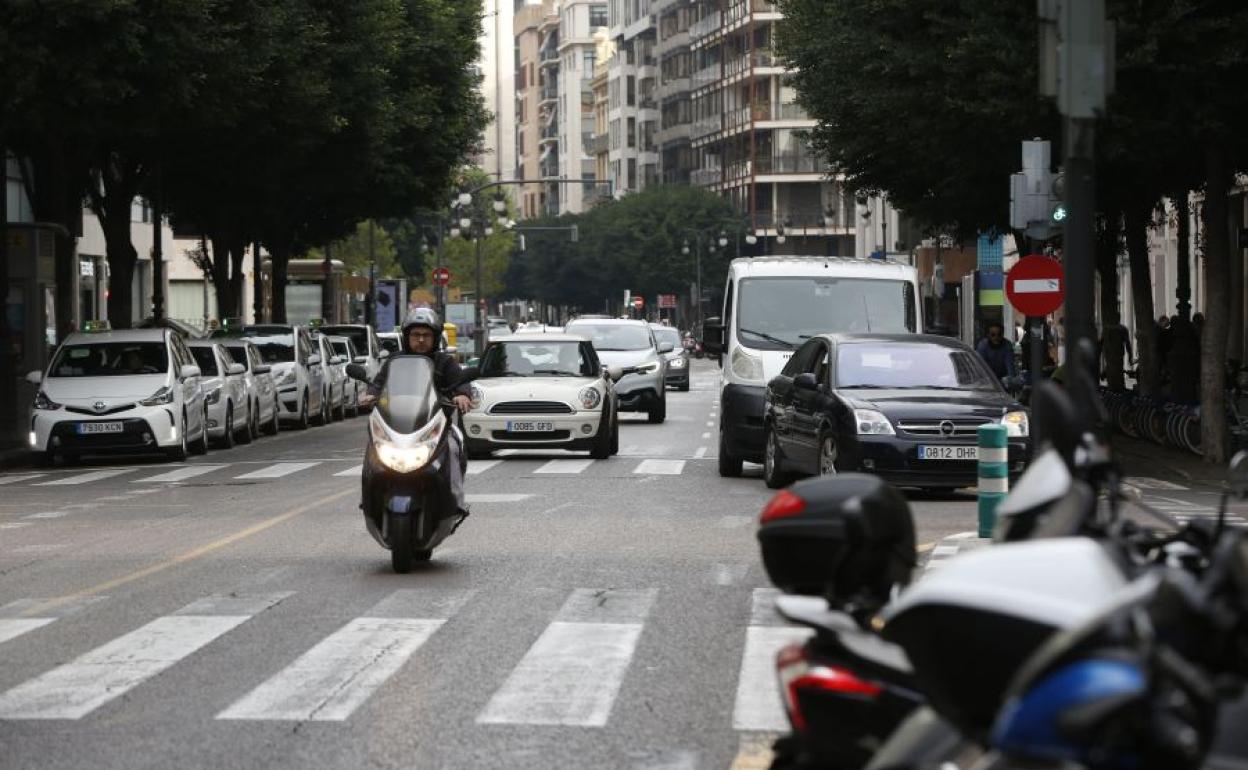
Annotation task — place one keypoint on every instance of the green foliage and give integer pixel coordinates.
(354, 252)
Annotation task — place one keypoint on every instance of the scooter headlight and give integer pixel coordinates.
(406, 453)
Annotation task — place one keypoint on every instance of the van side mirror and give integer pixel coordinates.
(713, 336)
(357, 372)
(383, 355)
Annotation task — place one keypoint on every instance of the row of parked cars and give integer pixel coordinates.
(156, 390)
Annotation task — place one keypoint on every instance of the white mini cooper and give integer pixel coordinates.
(543, 391)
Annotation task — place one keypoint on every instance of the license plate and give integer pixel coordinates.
(530, 426)
(86, 428)
(948, 453)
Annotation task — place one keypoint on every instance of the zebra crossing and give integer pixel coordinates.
(260, 472)
(570, 676)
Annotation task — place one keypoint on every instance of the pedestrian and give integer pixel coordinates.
(997, 352)
(1165, 341)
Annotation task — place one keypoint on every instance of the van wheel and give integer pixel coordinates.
(730, 465)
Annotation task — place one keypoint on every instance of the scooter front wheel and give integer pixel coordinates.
(401, 554)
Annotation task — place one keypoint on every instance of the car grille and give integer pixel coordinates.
(550, 435)
(93, 413)
(136, 434)
(933, 428)
(531, 407)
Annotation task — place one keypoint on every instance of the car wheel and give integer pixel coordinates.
(341, 414)
(246, 435)
(180, 452)
(615, 433)
(274, 422)
(659, 413)
(322, 417)
(827, 456)
(201, 444)
(729, 464)
(773, 461)
(601, 449)
(684, 386)
(227, 437)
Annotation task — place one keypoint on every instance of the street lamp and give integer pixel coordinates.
(723, 239)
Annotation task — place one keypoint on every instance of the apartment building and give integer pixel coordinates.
(577, 56)
(633, 86)
(600, 87)
(746, 133)
(528, 22)
(676, 158)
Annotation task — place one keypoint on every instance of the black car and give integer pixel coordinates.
(906, 407)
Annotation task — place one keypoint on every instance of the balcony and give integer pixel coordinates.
(705, 26)
(549, 168)
(793, 112)
(791, 164)
(740, 117)
(706, 126)
(600, 144)
(550, 132)
(549, 56)
(706, 176)
(706, 76)
(549, 92)
(648, 103)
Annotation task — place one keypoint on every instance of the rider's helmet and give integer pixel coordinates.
(426, 317)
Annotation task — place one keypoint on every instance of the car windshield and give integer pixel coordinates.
(275, 348)
(614, 336)
(537, 359)
(358, 335)
(876, 365)
(205, 360)
(782, 313)
(668, 334)
(107, 359)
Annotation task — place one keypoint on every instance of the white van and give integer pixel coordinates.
(774, 304)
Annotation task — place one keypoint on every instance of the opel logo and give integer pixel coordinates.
(947, 428)
(99, 406)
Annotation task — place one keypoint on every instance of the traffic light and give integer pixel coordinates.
(1057, 197)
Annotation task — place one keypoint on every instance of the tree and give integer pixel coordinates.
(354, 251)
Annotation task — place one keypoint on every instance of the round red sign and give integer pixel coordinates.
(1036, 285)
(441, 276)
(639, 302)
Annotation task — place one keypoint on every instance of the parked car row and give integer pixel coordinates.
(151, 390)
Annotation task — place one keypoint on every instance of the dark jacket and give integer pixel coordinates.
(999, 357)
(447, 376)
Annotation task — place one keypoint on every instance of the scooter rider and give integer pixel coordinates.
(422, 336)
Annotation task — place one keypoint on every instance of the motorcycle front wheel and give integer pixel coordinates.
(401, 555)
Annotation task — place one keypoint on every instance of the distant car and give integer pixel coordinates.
(108, 392)
(297, 373)
(497, 322)
(335, 368)
(391, 342)
(366, 341)
(543, 392)
(906, 407)
(345, 353)
(677, 359)
(260, 388)
(630, 345)
(225, 393)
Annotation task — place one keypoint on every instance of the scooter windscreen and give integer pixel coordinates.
(409, 400)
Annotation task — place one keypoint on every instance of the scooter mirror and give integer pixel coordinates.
(1237, 474)
(357, 372)
(1056, 414)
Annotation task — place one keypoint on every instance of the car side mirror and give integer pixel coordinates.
(34, 378)
(188, 371)
(314, 359)
(361, 359)
(616, 373)
(713, 336)
(805, 381)
(357, 372)
(236, 369)
(383, 355)
(338, 360)
(262, 369)
(666, 347)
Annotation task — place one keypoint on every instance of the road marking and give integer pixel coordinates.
(191, 555)
(47, 515)
(15, 525)
(357, 470)
(503, 498)
(570, 676)
(85, 478)
(564, 466)
(276, 471)
(758, 705)
(710, 424)
(17, 479)
(181, 474)
(763, 608)
(1147, 482)
(700, 452)
(706, 435)
(607, 605)
(330, 681)
(480, 466)
(11, 628)
(660, 467)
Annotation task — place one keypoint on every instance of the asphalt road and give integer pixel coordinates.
(233, 612)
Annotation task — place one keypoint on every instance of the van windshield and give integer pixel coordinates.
(782, 313)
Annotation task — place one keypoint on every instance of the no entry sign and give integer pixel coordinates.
(639, 302)
(1036, 285)
(441, 276)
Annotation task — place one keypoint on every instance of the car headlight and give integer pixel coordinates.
(214, 396)
(1016, 424)
(159, 398)
(677, 363)
(590, 398)
(647, 368)
(286, 378)
(407, 453)
(478, 397)
(746, 367)
(43, 402)
(872, 423)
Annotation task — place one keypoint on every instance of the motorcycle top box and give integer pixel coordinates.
(849, 538)
(969, 626)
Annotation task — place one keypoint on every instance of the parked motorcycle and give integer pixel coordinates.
(409, 507)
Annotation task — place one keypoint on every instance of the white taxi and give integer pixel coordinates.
(543, 391)
(106, 392)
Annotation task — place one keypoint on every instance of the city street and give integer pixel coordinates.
(233, 609)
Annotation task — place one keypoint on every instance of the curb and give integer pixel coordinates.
(952, 545)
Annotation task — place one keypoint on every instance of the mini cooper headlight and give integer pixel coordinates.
(478, 397)
(590, 398)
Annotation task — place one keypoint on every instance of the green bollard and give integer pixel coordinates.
(994, 474)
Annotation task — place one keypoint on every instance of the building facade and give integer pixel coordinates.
(600, 85)
(676, 158)
(633, 85)
(498, 87)
(528, 21)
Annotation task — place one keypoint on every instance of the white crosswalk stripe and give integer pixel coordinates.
(84, 478)
(77, 688)
(277, 470)
(11, 628)
(179, 474)
(18, 478)
(476, 467)
(660, 467)
(352, 471)
(757, 705)
(564, 466)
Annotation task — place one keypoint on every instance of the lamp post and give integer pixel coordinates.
(479, 228)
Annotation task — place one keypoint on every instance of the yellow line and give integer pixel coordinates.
(183, 557)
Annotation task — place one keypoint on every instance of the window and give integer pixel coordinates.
(911, 366)
(801, 360)
(539, 359)
(778, 313)
(614, 336)
(597, 16)
(589, 59)
(110, 359)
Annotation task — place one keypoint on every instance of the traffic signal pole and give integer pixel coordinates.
(1080, 240)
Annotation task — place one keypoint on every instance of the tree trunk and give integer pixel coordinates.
(1213, 435)
(238, 252)
(1112, 330)
(112, 200)
(279, 254)
(1184, 359)
(221, 273)
(1148, 365)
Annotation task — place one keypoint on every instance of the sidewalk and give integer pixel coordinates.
(1144, 458)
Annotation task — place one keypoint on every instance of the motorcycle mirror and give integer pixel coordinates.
(1057, 415)
(1237, 474)
(616, 373)
(357, 372)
